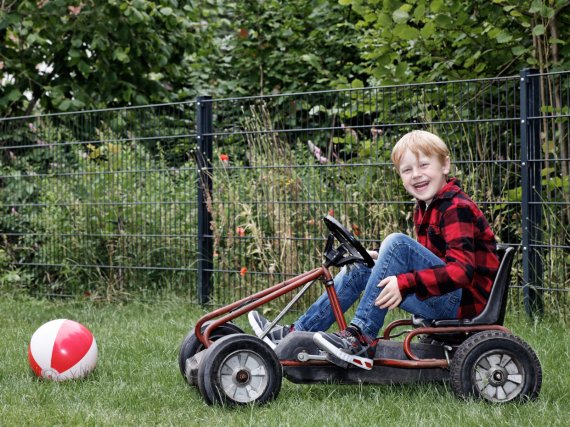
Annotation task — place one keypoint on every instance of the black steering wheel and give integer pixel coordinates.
(350, 249)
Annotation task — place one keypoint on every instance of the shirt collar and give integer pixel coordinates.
(449, 190)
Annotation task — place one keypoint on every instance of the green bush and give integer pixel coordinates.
(109, 221)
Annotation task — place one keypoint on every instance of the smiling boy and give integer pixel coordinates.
(447, 273)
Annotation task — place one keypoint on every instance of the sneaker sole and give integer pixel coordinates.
(324, 344)
(258, 331)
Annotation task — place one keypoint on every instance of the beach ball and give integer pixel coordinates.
(62, 349)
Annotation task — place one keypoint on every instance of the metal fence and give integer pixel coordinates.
(100, 203)
(223, 197)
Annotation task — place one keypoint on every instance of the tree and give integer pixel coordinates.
(274, 46)
(430, 40)
(92, 54)
(61, 55)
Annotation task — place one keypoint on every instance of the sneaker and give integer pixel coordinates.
(260, 325)
(347, 346)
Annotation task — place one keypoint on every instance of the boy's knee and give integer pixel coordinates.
(393, 239)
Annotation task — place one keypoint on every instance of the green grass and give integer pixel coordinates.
(137, 381)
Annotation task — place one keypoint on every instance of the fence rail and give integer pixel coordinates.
(220, 197)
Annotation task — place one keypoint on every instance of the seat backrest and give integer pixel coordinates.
(494, 311)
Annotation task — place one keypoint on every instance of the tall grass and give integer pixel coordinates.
(137, 381)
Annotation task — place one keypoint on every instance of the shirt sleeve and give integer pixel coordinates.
(458, 232)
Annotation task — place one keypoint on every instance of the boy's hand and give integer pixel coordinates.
(390, 297)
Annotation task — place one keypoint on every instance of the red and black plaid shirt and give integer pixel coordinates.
(454, 229)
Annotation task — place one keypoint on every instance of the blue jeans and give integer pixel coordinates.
(398, 254)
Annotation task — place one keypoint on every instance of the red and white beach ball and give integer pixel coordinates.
(62, 349)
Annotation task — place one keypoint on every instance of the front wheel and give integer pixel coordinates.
(239, 369)
(496, 366)
(191, 345)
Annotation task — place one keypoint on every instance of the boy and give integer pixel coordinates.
(447, 273)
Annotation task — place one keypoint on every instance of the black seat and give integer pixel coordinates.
(494, 311)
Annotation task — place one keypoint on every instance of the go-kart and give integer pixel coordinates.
(479, 357)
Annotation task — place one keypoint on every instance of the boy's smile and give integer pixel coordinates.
(423, 176)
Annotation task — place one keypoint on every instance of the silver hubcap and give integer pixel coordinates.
(243, 376)
(498, 376)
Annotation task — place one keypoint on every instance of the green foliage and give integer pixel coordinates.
(274, 46)
(12, 280)
(104, 53)
(93, 54)
(427, 40)
(99, 53)
(62, 57)
(86, 217)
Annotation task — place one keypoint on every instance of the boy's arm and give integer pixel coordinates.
(458, 233)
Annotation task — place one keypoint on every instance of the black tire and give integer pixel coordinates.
(190, 346)
(239, 370)
(496, 366)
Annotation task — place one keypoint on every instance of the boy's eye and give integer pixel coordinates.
(424, 165)
(405, 170)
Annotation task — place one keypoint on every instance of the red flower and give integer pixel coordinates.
(356, 230)
(240, 231)
(243, 271)
(331, 212)
(225, 159)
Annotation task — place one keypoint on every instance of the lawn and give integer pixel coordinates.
(137, 381)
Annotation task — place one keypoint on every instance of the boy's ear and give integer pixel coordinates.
(446, 166)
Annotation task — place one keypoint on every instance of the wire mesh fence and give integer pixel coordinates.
(313, 154)
(116, 196)
(100, 203)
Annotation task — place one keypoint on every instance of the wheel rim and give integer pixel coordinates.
(498, 376)
(243, 376)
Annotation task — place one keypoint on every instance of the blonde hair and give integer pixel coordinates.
(419, 141)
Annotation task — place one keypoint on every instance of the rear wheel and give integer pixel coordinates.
(496, 366)
(239, 369)
(191, 345)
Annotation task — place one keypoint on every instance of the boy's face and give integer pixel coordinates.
(423, 176)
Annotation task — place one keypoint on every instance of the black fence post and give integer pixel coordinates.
(531, 165)
(205, 241)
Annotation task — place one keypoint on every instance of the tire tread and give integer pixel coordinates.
(457, 364)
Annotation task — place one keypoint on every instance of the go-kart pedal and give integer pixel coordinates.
(345, 347)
